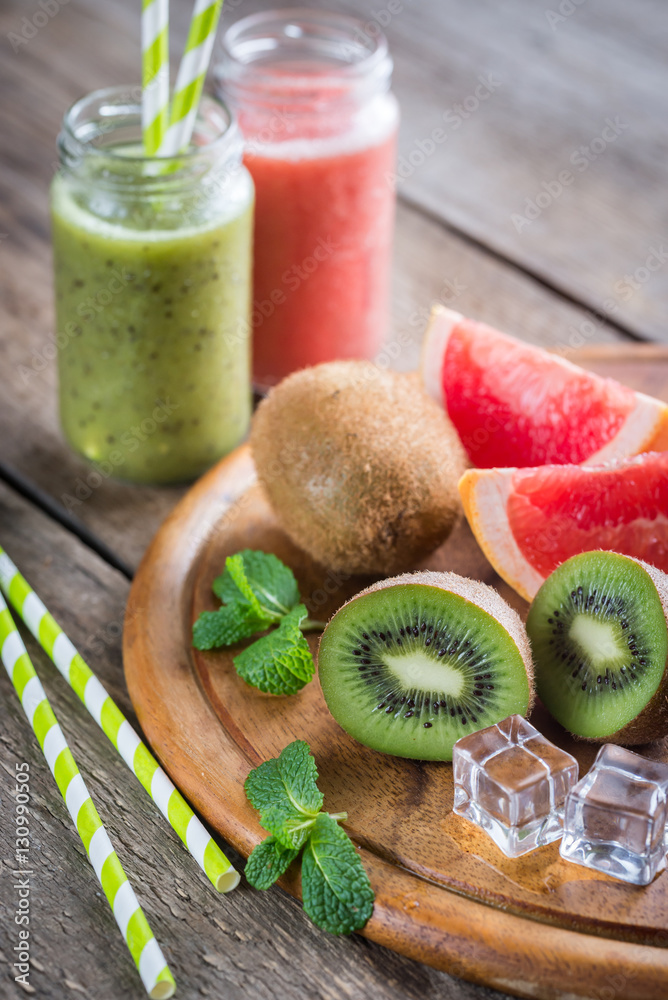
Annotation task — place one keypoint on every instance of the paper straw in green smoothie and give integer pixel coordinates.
(191, 75)
(129, 916)
(116, 727)
(155, 73)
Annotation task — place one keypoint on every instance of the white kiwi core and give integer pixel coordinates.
(420, 670)
(599, 640)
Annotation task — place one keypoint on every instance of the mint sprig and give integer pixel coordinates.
(336, 891)
(258, 592)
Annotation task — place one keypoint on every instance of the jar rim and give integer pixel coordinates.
(111, 102)
(247, 40)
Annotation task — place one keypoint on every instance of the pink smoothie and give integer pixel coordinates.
(323, 169)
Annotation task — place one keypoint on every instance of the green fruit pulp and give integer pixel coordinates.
(410, 668)
(599, 640)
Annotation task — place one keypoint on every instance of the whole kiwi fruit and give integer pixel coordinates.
(360, 465)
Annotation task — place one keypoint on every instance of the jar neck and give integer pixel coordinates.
(100, 143)
(301, 73)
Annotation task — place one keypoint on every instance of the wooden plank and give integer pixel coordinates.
(246, 944)
(552, 89)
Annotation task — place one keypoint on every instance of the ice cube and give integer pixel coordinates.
(615, 818)
(512, 782)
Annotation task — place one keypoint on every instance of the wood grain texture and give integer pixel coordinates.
(556, 87)
(244, 946)
(444, 893)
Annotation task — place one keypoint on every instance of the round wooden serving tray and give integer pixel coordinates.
(445, 895)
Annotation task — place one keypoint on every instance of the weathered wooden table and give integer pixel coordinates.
(531, 195)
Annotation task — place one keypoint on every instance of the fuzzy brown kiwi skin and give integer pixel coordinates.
(652, 723)
(477, 593)
(360, 466)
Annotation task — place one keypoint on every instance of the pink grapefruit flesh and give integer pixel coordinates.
(528, 521)
(514, 404)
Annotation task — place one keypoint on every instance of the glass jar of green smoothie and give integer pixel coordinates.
(152, 260)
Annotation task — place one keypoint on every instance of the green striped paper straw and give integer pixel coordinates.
(191, 75)
(129, 916)
(116, 727)
(155, 73)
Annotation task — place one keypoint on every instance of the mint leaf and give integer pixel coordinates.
(226, 589)
(235, 567)
(285, 793)
(281, 662)
(336, 890)
(267, 862)
(225, 626)
(254, 576)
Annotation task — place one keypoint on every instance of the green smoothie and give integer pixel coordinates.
(152, 305)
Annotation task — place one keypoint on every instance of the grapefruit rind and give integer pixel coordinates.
(484, 494)
(442, 322)
(645, 429)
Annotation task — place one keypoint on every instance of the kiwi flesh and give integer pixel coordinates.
(600, 646)
(360, 466)
(414, 662)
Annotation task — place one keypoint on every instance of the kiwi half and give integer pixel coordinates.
(600, 643)
(414, 662)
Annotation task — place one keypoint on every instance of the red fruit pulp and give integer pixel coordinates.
(516, 405)
(556, 512)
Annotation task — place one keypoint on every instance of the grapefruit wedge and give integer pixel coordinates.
(528, 521)
(514, 404)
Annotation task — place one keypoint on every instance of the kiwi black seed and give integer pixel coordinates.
(600, 646)
(360, 465)
(453, 658)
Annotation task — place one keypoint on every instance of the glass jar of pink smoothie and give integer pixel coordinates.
(311, 91)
